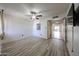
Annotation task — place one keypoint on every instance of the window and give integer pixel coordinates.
(38, 26)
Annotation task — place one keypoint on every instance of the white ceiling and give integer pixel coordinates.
(46, 9)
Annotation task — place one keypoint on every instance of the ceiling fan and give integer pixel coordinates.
(34, 15)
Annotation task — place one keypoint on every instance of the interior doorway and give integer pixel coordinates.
(56, 29)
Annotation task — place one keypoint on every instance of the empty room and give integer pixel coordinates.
(39, 29)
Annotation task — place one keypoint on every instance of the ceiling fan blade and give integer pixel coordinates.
(39, 16)
(33, 12)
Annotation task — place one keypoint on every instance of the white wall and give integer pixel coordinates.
(69, 38)
(76, 41)
(44, 28)
(43, 32)
(16, 26)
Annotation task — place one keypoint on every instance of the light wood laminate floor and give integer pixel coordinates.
(34, 46)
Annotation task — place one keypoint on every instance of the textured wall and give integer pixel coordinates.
(16, 27)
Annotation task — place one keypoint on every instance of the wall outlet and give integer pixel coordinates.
(22, 35)
(40, 34)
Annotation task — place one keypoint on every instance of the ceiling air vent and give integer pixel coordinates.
(55, 17)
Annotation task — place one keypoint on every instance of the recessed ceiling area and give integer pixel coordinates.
(46, 9)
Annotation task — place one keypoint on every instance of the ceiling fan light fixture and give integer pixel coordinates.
(33, 17)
